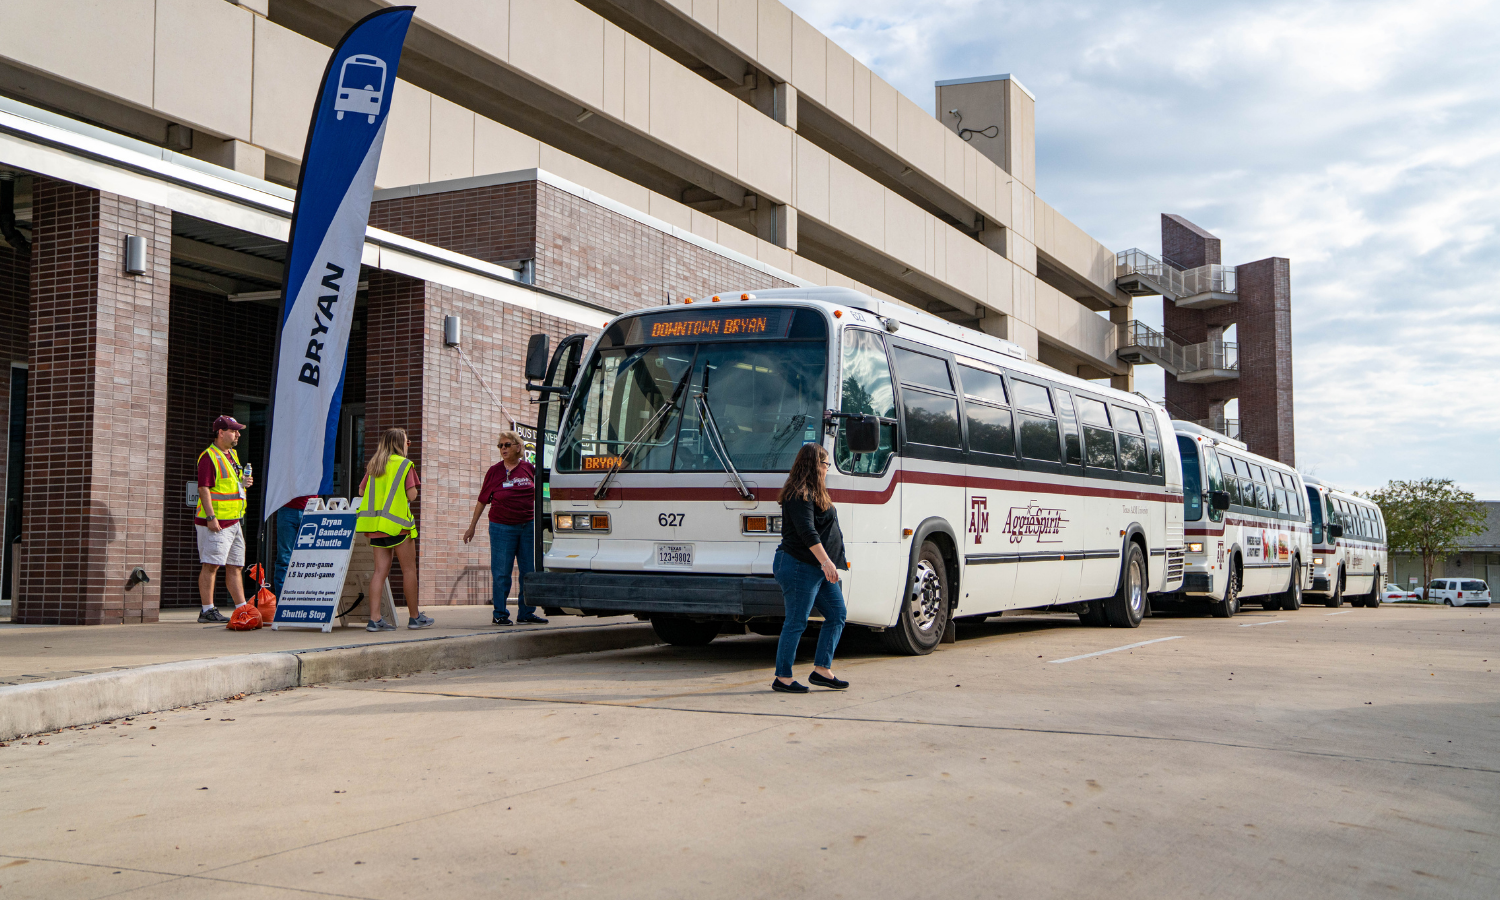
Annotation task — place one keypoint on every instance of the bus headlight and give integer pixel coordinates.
(597, 523)
(1195, 548)
(1317, 560)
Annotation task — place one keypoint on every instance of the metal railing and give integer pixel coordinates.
(1172, 282)
(1226, 427)
(1177, 358)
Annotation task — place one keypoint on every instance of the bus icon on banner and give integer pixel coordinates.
(361, 86)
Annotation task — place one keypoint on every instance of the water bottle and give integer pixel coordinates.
(246, 473)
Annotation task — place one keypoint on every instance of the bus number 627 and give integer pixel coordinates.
(669, 520)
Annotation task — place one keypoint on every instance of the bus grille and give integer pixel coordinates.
(1175, 560)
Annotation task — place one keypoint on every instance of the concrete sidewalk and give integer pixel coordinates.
(57, 677)
(31, 653)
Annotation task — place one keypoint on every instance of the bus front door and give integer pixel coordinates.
(561, 373)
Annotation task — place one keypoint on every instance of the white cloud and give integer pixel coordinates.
(1357, 139)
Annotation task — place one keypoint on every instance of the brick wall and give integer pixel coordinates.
(1187, 246)
(96, 438)
(495, 223)
(1265, 337)
(15, 329)
(217, 350)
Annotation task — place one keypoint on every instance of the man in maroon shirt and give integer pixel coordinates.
(510, 491)
(221, 505)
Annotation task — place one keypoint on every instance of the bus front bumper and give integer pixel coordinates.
(615, 594)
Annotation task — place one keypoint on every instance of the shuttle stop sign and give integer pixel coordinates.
(315, 576)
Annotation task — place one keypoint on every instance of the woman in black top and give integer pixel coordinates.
(807, 567)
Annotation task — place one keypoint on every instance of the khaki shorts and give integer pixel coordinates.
(226, 548)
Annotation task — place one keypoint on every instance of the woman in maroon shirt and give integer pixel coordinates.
(510, 491)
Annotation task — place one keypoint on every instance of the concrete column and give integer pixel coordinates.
(247, 159)
(96, 430)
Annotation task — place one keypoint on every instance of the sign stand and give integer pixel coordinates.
(315, 575)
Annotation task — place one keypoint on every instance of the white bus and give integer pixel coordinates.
(1349, 550)
(1247, 528)
(985, 482)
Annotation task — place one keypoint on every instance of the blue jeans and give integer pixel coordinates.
(510, 545)
(288, 522)
(803, 587)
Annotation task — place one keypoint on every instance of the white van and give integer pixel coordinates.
(1459, 592)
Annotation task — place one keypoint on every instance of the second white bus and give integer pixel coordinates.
(1247, 528)
(996, 483)
(1349, 550)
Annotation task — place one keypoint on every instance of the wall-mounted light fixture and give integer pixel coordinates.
(452, 331)
(135, 255)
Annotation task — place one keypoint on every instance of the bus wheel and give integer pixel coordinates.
(684, 632)
(1128, 606)
(924, 615)
(1291, 598)
(1336, 598)
(1230, 605)
(1372, 599)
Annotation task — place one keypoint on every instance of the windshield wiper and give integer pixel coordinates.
(602, 490)
(715, 437)
(716, 443)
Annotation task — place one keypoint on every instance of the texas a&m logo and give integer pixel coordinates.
(979, 518)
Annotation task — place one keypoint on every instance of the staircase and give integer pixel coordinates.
(1202, 363)
(1140, 274)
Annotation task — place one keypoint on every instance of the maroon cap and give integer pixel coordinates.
(227, 422)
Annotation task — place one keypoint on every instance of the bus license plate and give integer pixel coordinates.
(674, 555)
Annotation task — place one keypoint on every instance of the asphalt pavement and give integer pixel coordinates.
(1328, 753)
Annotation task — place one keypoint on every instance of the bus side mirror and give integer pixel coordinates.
(862, 434)
(1335, 530)
(536, 357)
(1219, 500)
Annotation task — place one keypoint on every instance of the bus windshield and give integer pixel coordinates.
(635, 407)
(1192, 481)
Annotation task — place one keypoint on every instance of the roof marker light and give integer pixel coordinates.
(715, 298)
(687, 300)
(747, 296)
(838, 314)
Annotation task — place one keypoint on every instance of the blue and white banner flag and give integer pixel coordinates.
(324, 250)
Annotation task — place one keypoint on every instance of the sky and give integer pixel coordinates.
(1359, 140)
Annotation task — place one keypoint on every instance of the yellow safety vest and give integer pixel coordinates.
(385, 509)
(228, 498)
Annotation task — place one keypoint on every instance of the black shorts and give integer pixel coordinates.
(389, 541)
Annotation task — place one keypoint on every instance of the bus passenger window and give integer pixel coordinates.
(1072, 452)
(1098, 439)
(1127, 420)
(1153, 445)
(1261, 501)
(1241, 468)
(1032, 397)
(1039, 438)
(1133, 454)
(931, 419)
(990, 429)
(984, 385)
(919, 368)
(1278, 500)
(867, 391)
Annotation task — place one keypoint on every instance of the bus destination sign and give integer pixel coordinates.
(712, 325)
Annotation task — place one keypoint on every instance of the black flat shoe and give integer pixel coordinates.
(793, 688)
(531, 620)
(499, 621)
(837, 684)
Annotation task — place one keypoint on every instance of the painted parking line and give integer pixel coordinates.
(1344, 613)
(1272, 622)
(1116, 649)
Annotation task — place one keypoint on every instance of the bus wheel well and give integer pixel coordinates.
(944, 542)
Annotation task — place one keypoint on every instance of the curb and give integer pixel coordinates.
(51, 705)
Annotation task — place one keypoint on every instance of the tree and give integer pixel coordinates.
(1428, 517)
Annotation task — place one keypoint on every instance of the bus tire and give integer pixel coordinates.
(1336, 596)
(924, 616)
(1230, 605)
(684, 632)
(1128, 606)
(1372, 599)
(1291, 598)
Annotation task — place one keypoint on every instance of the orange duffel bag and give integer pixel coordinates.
(264, 600)
(244, 618)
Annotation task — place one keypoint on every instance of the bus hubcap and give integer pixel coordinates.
(926, 597)
(1137, 596)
